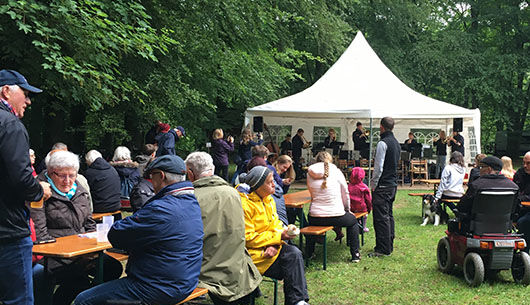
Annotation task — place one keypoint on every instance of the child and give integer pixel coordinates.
(360, 197)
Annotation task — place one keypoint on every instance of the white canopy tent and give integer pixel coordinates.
(359, 87)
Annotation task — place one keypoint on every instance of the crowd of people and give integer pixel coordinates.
(190, 226)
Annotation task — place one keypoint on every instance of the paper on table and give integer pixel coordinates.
(89, 235)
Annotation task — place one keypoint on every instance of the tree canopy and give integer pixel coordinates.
(109, 68)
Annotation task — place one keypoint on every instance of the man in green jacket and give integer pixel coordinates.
(227, 269)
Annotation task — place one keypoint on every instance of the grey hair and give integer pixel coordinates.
(200, 163)
(59, 145)
(91, 156)
(121, 153)
(63, 159)
(174, 178)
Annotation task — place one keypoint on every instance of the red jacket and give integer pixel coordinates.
(360, 198)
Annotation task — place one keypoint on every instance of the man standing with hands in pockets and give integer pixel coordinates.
(17, 186)
(384, 187)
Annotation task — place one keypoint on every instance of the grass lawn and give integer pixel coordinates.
(409, 276)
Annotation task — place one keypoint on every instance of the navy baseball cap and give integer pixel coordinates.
(12, 77)
(168, 163)
(182, 130)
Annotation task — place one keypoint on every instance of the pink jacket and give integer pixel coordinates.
(360, 198)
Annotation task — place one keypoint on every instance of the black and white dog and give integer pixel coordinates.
(433, 211)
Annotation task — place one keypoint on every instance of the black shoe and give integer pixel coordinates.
(377, 254)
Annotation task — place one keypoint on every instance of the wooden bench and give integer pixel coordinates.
(197, 292)
(420, 194)
(99, 216)
(359, 217)
(117, 256)
(318, 231)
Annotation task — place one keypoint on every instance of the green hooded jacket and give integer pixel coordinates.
(227, 269)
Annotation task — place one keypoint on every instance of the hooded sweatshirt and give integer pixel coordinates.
(360, 198)
(331, 201)
(452, 181)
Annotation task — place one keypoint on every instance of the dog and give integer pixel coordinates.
(433, 211)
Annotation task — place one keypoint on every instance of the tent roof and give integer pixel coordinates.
(359, 85)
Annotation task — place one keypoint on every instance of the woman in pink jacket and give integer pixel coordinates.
(330, 205)
(360, 198)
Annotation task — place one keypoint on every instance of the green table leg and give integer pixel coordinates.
(302, 225)
(99, 274)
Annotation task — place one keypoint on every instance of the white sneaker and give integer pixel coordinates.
(302, 303)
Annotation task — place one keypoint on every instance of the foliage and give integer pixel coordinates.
(110, 68)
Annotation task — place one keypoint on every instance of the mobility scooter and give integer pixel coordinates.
(485, 242)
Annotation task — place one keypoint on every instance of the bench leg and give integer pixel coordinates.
(325, 252)
(275, 281)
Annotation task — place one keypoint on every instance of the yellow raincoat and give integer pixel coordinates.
(262, 228)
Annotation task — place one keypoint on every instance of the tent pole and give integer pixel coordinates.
(370, 155)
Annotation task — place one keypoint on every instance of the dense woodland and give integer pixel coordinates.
(109, 68)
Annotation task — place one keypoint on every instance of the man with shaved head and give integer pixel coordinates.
(522, 179)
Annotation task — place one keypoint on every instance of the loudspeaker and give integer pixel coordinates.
(458, 124)
(257, 124)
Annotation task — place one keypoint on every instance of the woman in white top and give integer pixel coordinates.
(330, 204)
(452, 181)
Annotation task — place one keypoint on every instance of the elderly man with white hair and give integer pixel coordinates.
(104, 183)
(227, 269)
(67, 212)
(17, 186)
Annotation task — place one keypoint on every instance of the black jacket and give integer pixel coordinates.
(522, 179)
(482, 183)
(17, 185)
(393, 150)
(105, 186)
(140, 193)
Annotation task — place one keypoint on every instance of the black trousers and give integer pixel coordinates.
(241, 301)
(289, 266)
(222, 171)
(347, 220)
(382, 202)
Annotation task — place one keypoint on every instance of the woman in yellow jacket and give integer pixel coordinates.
(264, 235)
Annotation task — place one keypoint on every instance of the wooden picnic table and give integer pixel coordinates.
(297, 200)
(99, 216)
(73, 246)
(436, 182)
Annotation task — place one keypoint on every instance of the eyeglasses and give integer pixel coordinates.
(64, 177)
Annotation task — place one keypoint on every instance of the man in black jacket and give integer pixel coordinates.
(104, 183)
(17, 186)
(489, 178)
(384, 187)
(522, 179)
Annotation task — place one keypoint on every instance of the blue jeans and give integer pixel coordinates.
(124, 289)
(16, 282)
(43, 285)
(440, 164)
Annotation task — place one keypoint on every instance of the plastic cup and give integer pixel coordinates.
(101, 229)
(108, 220)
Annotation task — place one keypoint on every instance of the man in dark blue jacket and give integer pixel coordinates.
(17, 185)
(164, 241)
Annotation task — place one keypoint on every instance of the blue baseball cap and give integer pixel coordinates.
(182, 130)
(12, 77)
(168, 163)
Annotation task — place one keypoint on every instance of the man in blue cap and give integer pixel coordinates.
(17, 186)
(164, 241)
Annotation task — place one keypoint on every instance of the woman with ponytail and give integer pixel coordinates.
(330, 205)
